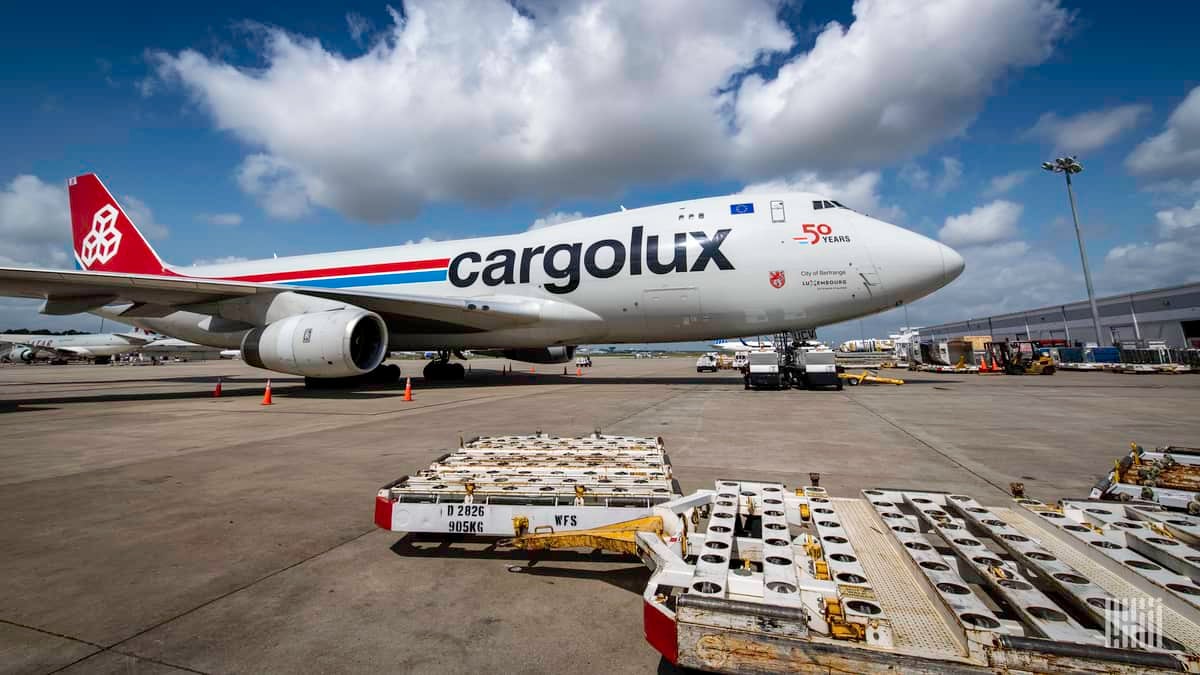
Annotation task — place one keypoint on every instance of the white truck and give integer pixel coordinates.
(706, 362)
(817, 368)
(763, 371)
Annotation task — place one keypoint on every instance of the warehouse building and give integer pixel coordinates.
(1170, 315)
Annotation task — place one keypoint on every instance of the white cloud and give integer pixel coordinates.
(223, 260)
(1088, 130)
(1168, 260)
(422, 240)
(920, 178)
(992, 222)
(221, 219)
(1173, 154)
(1180, 221)
(360, 27)
(997, 279)
(279, 188)
(555, 218)
(143, 218)
(476, 101)
(859, 191)
(35, 224)
(1006, 182)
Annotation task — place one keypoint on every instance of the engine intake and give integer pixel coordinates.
(553, 354)
(19, 353)
(335, 343)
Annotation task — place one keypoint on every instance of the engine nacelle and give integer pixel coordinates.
(552, 354)
(335, 343)
(18, 353)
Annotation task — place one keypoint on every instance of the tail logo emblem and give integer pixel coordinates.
(103, 240)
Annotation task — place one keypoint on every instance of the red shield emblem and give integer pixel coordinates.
(778, 279)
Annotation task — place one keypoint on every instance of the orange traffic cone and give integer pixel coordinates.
(267, 394)
(579, 372)
(217, 389)
(408, 389)
(532, 370)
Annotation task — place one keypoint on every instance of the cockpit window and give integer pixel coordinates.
(818, 205)
(840, 205)
(828, 204)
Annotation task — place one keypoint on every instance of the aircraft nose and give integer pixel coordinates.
(952, 263)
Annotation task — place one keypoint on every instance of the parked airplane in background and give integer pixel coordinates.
(691, 270)
(742, 344)
(99, 347)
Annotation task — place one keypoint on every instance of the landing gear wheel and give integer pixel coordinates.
(444, 370)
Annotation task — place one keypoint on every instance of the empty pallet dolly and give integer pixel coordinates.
(763, 579)
(751, 576)
(503, 486)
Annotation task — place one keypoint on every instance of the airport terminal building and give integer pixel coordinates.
(1171, 315)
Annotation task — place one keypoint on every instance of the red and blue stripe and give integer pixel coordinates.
(376, 274)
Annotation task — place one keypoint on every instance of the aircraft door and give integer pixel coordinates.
(777, 212)
(671, 308)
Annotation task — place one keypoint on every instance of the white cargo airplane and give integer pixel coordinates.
(746, 264)
(98, 347)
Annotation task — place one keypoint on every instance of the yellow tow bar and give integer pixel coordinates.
(617, 537)
(855, 379)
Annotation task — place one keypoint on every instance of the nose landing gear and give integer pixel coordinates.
(442, 369)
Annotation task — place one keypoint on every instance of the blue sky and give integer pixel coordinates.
(197, 115)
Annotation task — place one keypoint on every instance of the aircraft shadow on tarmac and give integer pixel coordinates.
(632, 578)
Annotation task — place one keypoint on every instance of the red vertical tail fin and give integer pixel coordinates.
(104, 238)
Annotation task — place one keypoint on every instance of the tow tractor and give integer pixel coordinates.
(808, 364)
(754, 576)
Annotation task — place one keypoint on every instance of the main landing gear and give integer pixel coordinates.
(442, 369)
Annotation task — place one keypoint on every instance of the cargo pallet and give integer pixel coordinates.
(1168, 476)
(751, 576)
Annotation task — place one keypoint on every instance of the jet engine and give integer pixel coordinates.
(18, 353)
(552, 354)
(334, 343)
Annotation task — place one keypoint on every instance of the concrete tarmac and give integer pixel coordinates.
(148, 527)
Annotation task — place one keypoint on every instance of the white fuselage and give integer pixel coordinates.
(655, 274)
(83, 346)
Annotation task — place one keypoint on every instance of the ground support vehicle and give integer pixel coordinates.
(763, 371)
(752, 576)
(706, 363)
(813, 368)
(584, 361)
(1024, 357)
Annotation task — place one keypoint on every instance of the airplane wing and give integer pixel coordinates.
(72, 292)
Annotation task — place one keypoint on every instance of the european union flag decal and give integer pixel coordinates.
(739, 209)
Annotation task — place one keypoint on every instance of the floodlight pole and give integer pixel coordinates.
(1066, 166)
